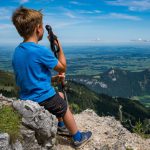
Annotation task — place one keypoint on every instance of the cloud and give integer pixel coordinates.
(124, 16)
(70, 15)
(24, 1)
(75, 3)
(5, 12)
(66, 12)
(66, 24)
(140, 40)
(97, 40)
(118, 16)
(89, 12)
(133, 5)
(6, 26)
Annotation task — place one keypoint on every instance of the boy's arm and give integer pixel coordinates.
(61, 66)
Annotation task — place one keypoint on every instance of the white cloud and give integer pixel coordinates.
(24, 1)
(97, 11)
(66, 24)
(119, 16)
(5, 12)
(70, 15)
(89, 12)
(133, 5)
(97, 40)
(124, 16)
(75, 3)
(6, 26)
(140, 40)
(67, 12)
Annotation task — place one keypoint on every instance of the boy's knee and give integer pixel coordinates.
(61, 95)
(63, 110)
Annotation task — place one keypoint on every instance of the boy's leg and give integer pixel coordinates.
(79, 138)
(60, 119)
(61, 94)
(68, 119)
(70, 122)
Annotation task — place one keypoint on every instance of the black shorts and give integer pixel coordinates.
(55, 105)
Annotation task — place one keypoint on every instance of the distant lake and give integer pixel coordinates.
(94, 59)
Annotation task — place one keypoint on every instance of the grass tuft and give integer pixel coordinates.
(10, 122)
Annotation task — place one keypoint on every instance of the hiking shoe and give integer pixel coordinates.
(86, 136)
(63, 131)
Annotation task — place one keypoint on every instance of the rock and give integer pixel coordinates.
(38, 130)
(38, 119)
(17, 145)
(105, 147)
(119, 146)
(4, 141)
(5, 101)
(29, 141)
(108, 134)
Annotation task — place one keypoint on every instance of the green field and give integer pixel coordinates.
(143, 99)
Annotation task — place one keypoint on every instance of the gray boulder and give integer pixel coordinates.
(39, 120)
(4, 141)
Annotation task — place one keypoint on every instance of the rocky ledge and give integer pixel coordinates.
(39, 128)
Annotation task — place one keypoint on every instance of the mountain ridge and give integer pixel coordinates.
(117, 82)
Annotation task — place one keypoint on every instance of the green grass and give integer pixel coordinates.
(145, 99)
(10, 122)
(140, 130)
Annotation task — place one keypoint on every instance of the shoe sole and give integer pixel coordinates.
(63, 134)
(83, 144)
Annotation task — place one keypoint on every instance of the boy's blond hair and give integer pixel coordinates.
(26, 20)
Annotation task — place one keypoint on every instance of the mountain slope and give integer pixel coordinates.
(131, 112)
(117, 82)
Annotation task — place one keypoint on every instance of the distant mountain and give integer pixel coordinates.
(117, 82)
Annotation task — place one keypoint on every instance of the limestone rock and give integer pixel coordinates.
(29, 141)
(38, 119)
(5, 101)
(4, 141)
(38, 130)
(17, 145)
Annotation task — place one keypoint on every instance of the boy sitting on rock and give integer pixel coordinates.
(32, 64)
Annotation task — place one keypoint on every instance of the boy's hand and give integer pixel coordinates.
(59, 78)
(55, 42)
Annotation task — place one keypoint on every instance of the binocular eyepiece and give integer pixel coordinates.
(48, 28)
(50, 32)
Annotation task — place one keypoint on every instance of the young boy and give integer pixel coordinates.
(32, 64)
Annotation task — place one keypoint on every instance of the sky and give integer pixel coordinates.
(83, 21)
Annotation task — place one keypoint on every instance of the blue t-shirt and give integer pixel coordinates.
(32, 64)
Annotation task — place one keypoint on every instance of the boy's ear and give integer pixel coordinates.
(39, 27)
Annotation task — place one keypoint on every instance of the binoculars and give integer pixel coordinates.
(53, 39)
